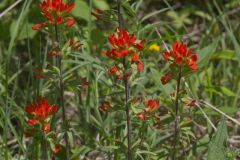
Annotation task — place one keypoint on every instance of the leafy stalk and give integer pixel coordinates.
(176, 126)
(62, 102)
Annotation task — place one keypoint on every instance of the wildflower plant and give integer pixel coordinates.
(40, 114)
(58, 18)
(183, 61)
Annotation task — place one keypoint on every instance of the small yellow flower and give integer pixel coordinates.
(154, 48)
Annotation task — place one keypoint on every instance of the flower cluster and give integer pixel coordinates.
(124, 49)
(150, 105)
(55, 12)
(105, 106)
(179, 56)
(182, 56)
(39, 113)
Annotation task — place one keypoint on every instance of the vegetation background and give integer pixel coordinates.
(210, 27)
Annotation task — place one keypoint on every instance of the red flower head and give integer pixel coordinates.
(39, 112)
(151, 105)
(55, 11)
(182, 56)
(125, 45)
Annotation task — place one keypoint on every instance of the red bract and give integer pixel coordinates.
(182, 56)
(105, 106)
(39, 112)
(151, 104)
(124, 46)
(166, 78)
(56, 148)
(55, 12)
(142, 116)
(191, 103)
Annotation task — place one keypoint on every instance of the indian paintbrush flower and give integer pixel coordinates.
(39, 113)
(179, 57)
(55, 11)
(124, 46)
(151, 105)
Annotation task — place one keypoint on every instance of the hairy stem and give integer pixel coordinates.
(45, 148)
(175, 142)
(129, 153)
(61, 87)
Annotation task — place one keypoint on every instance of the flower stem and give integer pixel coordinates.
(176, 114)
(61, 87)
(45, 148)
(127, 93)
(129, 153)
(119, 14)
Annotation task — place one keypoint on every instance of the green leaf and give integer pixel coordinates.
(227, 91)
(101, 4)
(155, 13)
(225, 54)
(206, 53)
(216, 148)
(81, 10)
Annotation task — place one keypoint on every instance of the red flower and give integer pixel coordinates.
(54, 53)
(56, 148)
(121, 76)
(32, 122)
(105, 106)
(142, 115)
(36, 26)
(166, 55)
(166, 78)
(39, 112)
(125, 45)
(113, 70)
(54, 11)
(182, 56)
(140, 66)
(151, 105)
(70, 22)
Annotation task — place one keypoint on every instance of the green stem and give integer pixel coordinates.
(175, 142)
(62, 102)
(45, 148)
(129, 153)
